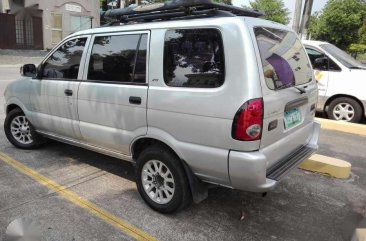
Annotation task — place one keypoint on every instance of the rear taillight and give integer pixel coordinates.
(248, 121)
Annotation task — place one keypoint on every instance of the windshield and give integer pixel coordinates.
(345, 59)
(284, 61)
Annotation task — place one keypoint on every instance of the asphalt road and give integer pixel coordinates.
(305, 206)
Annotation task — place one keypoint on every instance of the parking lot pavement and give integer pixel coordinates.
(305, 206)
(18, 57)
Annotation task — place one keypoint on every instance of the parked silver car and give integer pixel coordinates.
(228, 100)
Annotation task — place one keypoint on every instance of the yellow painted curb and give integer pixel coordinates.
(352, 128)
(327, 165)
(360, 235)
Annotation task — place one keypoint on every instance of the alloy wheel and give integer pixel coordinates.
(20, 130)
(158, 182)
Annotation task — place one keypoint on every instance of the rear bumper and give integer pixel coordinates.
(249, 171)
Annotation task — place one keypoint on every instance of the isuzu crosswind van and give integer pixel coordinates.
(341, 80)
(191, 94)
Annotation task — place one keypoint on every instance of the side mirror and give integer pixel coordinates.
(28, 70)
(321, 64)
(321, 60)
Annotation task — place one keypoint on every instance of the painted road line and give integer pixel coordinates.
(343, 126)
(327, 165)
(107, 217)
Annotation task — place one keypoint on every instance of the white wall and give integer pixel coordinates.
(84, 8)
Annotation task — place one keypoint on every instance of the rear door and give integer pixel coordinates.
(289, 91)
(113, 95)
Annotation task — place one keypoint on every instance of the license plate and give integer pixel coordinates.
(292, 118)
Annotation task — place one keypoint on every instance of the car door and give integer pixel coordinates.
(321, 70)
(113, 95)
(54, 92)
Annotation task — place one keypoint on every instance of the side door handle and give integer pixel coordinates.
(135, 100)
(68, 92)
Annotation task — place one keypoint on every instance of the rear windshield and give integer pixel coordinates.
(284, 60)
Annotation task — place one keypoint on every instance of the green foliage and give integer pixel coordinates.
(361, 57)
(357, 48)
(362, 32)
(275, 10)
(340, 22)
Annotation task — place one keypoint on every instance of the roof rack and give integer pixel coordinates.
(175, 10)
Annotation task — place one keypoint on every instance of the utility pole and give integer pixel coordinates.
(125, 3)
(122, 4)
(306, 18)
(297, 16)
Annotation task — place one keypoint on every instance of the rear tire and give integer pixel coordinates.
(161, 180)
(20, 132)
(345, 109)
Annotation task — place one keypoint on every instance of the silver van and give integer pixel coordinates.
(212, 94)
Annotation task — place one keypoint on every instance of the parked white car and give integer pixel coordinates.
(341, 82)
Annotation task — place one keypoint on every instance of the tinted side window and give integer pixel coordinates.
(194, 58)
(333, 66)
(65, 61)
(324, 66)
(313, 55)
(113, 58)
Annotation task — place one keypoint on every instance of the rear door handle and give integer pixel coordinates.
(68, 92)
(135, 100)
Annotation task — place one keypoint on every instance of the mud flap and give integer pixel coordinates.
(198, 188)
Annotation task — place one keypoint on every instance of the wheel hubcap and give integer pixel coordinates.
(343, 111)
(20, 130)
(157, 181)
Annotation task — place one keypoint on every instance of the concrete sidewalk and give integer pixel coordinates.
(16, 57)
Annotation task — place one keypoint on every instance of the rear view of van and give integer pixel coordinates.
(236, 102)
(289, 94)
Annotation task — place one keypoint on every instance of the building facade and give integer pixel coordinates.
(41, 24)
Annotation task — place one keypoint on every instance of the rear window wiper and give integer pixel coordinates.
(302, 90)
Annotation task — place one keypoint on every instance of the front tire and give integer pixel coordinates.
(161, 180)
(345, 109)
(20, 132)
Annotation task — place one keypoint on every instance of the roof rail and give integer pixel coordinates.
(175, 10)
